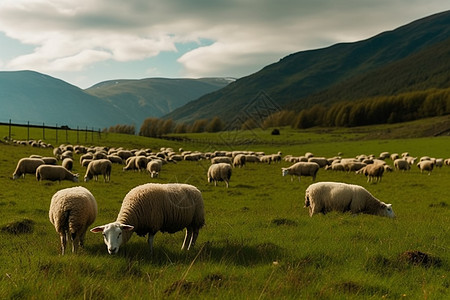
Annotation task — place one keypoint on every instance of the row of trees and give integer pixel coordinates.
(155, 127)
(379, 110)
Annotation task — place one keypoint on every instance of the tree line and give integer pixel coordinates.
(378, 110)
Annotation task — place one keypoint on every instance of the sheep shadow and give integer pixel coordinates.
(223, 251)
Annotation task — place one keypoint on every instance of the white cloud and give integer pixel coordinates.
(246, 34)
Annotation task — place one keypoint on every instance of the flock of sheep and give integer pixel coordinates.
(154, 207)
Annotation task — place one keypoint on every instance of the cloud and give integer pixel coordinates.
(245, 35)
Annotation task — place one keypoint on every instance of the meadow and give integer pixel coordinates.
(258, 243)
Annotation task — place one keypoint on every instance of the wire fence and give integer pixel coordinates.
(56, 134)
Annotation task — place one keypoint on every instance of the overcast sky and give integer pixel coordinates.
(88, 41)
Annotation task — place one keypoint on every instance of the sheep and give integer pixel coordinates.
(153, 207)
(141, 162)
(50, 160)
(219, 172)
(154, 167)
(266, 159)
(301, 169)
(372, 171)
(55, 173)
(251, 158)
(67, 163)
(130, 163)
(27, 166)
(321, 161)
(323, 197)
(425, 165)
(98, 167)
(72, 211)
(239, 161)
(401, 164)
(115, 159)
(221, 159)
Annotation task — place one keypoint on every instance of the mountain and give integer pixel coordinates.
(306, 73)
(39, 98)
(153, 97)
(28, 96)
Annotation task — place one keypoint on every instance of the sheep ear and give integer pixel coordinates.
(126, 227)
(98, 229)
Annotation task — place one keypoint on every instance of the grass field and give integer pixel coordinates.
(259, 242)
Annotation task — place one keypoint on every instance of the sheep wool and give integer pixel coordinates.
(98, 167)
(153, 207)
(72, 211)
(27, 166)
(323, 197)
(55, 173)
(301, 169)
(219, 172)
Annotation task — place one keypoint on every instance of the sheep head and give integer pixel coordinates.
(112, 235)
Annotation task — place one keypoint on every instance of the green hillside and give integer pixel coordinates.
(306, 73)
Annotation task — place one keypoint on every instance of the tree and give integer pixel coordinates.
(215, 125)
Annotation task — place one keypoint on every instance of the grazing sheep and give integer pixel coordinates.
(124, 154)
(266, 159)
(98, 167)
(321, 161)
(130, 163)
(115, 159)
(153, 207)
(301, 169)
(154, 167)
(372, 171)
(401, 164)
(447, 162)
(50, 160)
(353, 166)
(439, 162)
(55, 173)
(72, 211)
(323, 197)
(219, 172)
(67, 163)
(141, 162)
(239, 160)
(221, 159)
(27, 166)
(426, 165)
(251, 158)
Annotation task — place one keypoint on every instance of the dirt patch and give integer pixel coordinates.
(19, 227)
(419, 258)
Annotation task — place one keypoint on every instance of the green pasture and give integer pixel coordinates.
(258, 243)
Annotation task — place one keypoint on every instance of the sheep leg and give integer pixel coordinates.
(194, 238)
(150, 241)
(63, 242)
(187, 239)
(75, 242)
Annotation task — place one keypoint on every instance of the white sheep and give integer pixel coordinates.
(301, 169)
(154, 167)
(55, 173)
(219, 172)
(72, 211)
(221, 159)
(372, 171)
(27, 166)
(426, 165)
(323, 197)
(401, 164)
(239, 160)
(98, 167)
(153, 207)
(67, 163)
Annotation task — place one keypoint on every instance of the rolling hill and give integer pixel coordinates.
(153, 97)
(298, 76)
(28, 96)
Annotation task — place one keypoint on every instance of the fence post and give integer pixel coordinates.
(9, 129)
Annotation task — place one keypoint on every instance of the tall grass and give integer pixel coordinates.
(259, 242)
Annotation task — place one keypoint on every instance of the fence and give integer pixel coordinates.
(53, 133)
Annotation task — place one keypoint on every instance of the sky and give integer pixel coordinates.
(85, 42)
